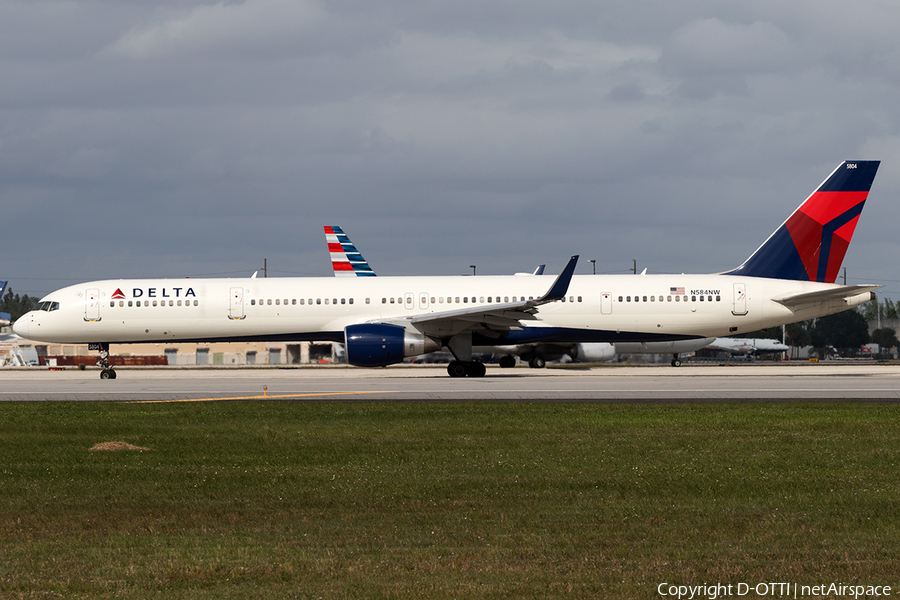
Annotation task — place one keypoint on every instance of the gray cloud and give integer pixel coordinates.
(184, 138)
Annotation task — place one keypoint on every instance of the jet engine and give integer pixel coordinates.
(380, 344)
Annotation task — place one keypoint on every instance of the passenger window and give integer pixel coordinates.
(701, 298)
(489, 298)
(129, 303)
(326, 300)
(112, 304)
(457, 300)
(652, 298)
(392, 300)
(579, 298)
(351, 301)
(466, 299)
(367, 300)
(269, 302)
(677, 298)
(709, 298)
(122, 303)
(644, 299)
(179, 302)
(432, 300)
(277, 301)
(505, 299)
(334, 301)
(343, 301)
(628, 299)
(693, 298)
(718, 298)
(318, 301)
(384, 300)
(154, 303)
(620, 298)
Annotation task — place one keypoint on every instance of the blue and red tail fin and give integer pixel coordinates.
(345, 258)
(811, 244)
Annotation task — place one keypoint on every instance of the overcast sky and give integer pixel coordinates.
(173, 139)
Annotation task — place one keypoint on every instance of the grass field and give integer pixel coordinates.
(442, 500)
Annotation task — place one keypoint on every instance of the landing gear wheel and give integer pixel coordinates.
(537, 363)
(476, 369)
(457, 369)
(676, 362)
(103, 363)
(507, 362)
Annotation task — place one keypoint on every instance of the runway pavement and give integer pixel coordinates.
(745, 383)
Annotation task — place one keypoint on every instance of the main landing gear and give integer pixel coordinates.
(676, 362)
(537, 362)
(507, 361)
(107, 371)
(458, 368)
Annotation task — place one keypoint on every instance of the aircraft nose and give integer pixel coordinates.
(20, 327)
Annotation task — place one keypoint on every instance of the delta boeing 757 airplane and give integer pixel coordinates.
(381, 320)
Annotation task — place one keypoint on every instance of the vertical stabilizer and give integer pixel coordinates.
(811, 244)
(345, 258)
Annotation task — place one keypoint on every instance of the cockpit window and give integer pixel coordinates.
(47, 306)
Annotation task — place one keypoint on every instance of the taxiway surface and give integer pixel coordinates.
(746, 383)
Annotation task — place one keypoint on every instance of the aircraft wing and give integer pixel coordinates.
(496, 319)
(837, 293)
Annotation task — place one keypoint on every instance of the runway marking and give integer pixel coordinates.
(266, 397)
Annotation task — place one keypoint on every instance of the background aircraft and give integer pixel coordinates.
(748, 345)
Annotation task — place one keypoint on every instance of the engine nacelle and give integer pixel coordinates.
(379, 344)
(595, 352)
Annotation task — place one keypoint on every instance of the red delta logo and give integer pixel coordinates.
(118, 295)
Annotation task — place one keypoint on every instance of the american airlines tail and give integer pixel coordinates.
(810, 245)
(345, 258)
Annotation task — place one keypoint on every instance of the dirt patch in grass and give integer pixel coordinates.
(115, 446)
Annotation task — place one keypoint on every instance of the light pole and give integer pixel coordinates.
(594, 265)
(473, 269)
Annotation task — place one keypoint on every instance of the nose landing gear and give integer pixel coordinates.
(107, 371)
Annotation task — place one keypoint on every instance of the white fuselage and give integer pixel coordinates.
(597, 308)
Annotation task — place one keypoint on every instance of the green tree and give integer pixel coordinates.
(846, 330)
(798, 336)
(885, 338)
(890, 309)
(15, 305)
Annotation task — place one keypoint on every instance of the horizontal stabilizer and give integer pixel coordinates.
(837, 293)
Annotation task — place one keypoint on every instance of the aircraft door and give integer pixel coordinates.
(740, 300)
(605, 303)
(92, 305)
(423, 301)
(409, 301)
(236, 304)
